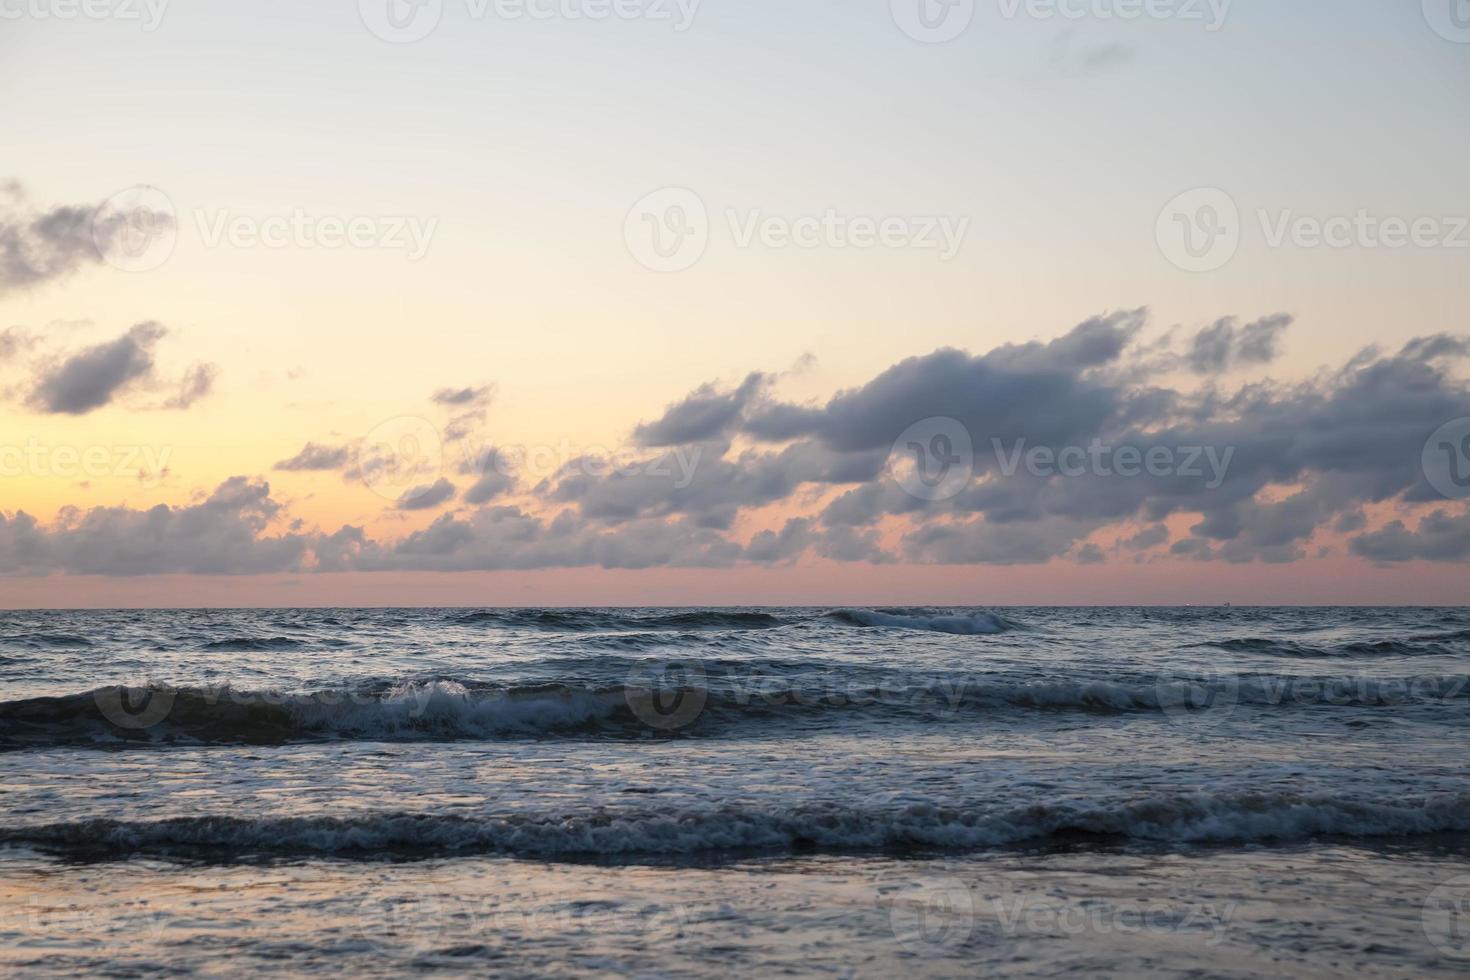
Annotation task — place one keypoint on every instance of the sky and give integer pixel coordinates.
(696, 302)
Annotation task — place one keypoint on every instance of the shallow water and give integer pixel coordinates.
(689, 792)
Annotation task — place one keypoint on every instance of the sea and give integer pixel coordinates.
(707, 792)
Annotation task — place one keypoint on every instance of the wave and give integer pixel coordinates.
(446, 709)
(1414, 646)
(249, 644)
(827, 827)
(966, 624)
(1450, 636)
(588, 620)
(436, 709)
(47, 641)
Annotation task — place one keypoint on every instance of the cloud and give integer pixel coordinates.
(706, 413)
(1150, 537)
(1106, 55)
(197, 384)
(489, 486)
(313, 457)
(980, 542)
(91, 378)
(14, 340)
(224, 534)
(1225, 345)
(427, 496)
(1439, 537)
(470, 405)
(39, 246)
(459, 397)
(1089, 58)
(1261, 473)
(1046, 392)
(498, 538)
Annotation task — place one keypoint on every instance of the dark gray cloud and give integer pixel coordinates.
(1440, 536)
(428, 496)
(1072, 58)
(979, 542)
(1090, 554)
(197, 384)
(496, 538)
(39, 246)
(480, 395)
(1226, 345)
(90, 378)
(224, 534)
(490, 485)
(1150, 537)
(705, 482)
(1048, 392)
(470, 406)
(707, 413)
(315, 457)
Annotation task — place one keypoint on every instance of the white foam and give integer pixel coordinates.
(447, 707)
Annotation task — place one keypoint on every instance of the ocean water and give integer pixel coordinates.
(701, 792)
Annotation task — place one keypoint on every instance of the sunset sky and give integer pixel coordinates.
(297, 310)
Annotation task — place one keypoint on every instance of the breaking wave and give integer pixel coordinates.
(249, 644)
(1414, 646)
(829, 827)
(587, 620)
(966, 624)
(447, 709)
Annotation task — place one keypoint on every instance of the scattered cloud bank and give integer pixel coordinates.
(1258, 471)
